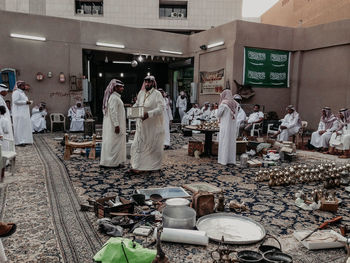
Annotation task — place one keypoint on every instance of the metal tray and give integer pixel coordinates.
(235, 229)
(166, 192)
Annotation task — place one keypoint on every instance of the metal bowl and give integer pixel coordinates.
(182, 217)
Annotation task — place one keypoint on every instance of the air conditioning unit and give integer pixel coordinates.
(173, 14)
(180, 15)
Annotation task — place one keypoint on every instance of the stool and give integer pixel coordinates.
(70, 146)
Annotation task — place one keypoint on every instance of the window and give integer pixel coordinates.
(89, 7)
(8, 77)
(173, 11)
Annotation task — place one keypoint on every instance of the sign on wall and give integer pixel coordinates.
(212, 82)
(266, 67)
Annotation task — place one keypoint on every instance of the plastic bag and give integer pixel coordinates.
(122, 250)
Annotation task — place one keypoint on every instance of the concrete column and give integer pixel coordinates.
(295, 77)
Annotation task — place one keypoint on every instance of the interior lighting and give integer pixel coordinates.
(140, 58)
(148, 73)
(171, 52)
(28, 37)
(216, 44)
(103, 44)
(121, 62)
(122, 75)
(100, 74)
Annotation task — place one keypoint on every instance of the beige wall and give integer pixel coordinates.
(320, 63)
(305, 13)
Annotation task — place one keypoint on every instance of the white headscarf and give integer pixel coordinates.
(109, 90)
(3, 87)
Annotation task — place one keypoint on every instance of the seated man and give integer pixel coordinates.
(214, 110)
(206, 111)
(256, 117)
(241, 116)
(76, 114)
(38, 117)
(191, 114)
(340, 138)
(290, 125)
(328, 124)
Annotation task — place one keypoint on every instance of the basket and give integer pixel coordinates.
(101, 210)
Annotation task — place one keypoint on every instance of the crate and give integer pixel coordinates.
(102, 210)
(214, 148)
(331, 206)
(241, 147)
(195, 146)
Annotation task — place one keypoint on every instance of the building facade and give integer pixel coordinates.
(304, 13)
(184, 15)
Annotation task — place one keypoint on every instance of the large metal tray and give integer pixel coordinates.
(165, 192)
(235, 229)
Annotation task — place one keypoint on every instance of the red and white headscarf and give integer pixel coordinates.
(346, 114)
(109, 90)
(152, 79)
(18, 83)
(329, 118)
(227, 98)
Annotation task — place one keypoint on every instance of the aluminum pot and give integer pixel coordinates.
(182, 217)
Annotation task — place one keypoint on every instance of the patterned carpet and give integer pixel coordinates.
(272, 207)
(3, 191)
(78, 240)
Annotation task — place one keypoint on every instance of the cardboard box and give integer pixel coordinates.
(214, 148)
(331, 206)
(254, 163)
(241, 147)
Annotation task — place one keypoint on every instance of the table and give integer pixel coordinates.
(208, 138)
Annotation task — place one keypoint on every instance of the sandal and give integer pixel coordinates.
(7, 229)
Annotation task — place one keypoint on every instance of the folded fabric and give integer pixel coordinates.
(122, 250)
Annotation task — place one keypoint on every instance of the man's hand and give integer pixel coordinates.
(145, 116)
(321, 132)
(117, 130)
(283, 127)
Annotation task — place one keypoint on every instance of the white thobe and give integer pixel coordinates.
(255, 116)
(213, 114)
(322, 141)
(147, 148)
(241, 117)
(7, 115)
(38, 119)
(181, 104)
(4, 132)
(113, 151)
(292, 122)
(77, 122)
(341, 141)
(167, 117)
(191, 115)
(227, 136)
(22, 125)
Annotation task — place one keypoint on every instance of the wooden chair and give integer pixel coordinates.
(58, 118)
(70, 146)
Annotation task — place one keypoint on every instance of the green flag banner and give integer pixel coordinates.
(265, 67)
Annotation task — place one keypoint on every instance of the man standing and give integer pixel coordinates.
(147, 148)
(22, 124)
(167, 118)
(227, 135)
(241, 116)
(290, 125)
(76, 114)
(113, 152)
(38, 117)
(181, 104)
(7, 116)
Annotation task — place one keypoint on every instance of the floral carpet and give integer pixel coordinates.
(272, 207)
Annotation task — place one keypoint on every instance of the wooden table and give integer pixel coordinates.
(208, 138)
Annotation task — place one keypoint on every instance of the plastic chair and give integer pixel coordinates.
(257, 128)
(58, 118)
(10, 155)
(270, 130)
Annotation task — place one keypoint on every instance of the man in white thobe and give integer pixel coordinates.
(181, 104)
(256, 117)
(167, 118)
(213, 112)
(147, 148)
(339, 139)
(76, 114)
(227, 135)
(191, 115)
(328, 124)
(241, 116)
(113, 152)
(22, 125)
(290, 125)
(39, 117)
(8, 137)
(206, 111)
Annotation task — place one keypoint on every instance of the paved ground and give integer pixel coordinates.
(44, 194)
